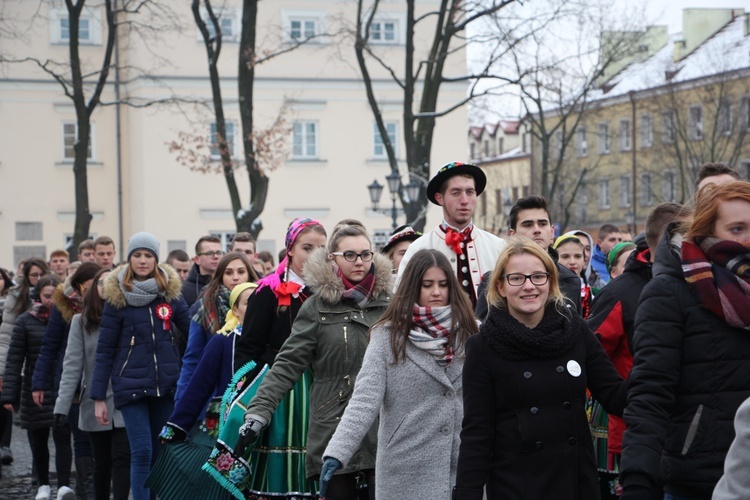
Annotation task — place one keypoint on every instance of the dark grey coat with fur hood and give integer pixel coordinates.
(330, 336)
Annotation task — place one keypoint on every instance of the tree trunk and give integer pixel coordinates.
(248, 219)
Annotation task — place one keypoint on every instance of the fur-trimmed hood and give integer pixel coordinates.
(62, 302)
(117, 298)
(321, 276)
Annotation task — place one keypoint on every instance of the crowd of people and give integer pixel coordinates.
(453, 364)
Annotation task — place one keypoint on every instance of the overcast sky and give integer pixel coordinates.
(669, 12)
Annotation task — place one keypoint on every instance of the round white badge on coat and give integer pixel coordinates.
(574, 368)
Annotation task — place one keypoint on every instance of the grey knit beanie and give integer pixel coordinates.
(143, 241)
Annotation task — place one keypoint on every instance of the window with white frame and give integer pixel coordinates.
(646, 196)
(668, 127)
(378, 150)
(695, 122)
(647, 131)
(624, 135)
(305, 139)
(669, 186)
(70, 138)
(215, 150)
(603, 194)
(625, 191)
(724, 117)
(500, 145)
(301, 25)
(603, 133)
(89, 27)
(384, 31)
(228, 24)
(582, 147)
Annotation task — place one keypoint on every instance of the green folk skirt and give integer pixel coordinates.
(274, 466)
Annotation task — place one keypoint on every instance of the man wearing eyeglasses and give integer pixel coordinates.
(472, 251)
(208, 253)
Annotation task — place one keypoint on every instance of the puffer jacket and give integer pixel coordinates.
(25, 344)
(55, 340)
(690, 375)
(330, 335)
(9, 322)
(135, 350)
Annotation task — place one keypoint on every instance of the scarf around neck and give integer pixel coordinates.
(73, 297)
(718, 271)
(143, 292)
(431, 332)
(40, 312)
(213, 318)
(359, 293)
(454, 237)
(554, 335)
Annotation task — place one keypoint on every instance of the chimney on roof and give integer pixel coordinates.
(698, 25)
(621, 48)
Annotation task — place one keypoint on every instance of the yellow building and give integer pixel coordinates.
(681, 101)
(498, 149)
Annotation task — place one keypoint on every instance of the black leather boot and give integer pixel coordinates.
(85, 478)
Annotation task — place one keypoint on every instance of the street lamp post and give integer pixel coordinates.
(393, 181)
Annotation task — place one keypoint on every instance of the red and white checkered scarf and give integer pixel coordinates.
(431, 332)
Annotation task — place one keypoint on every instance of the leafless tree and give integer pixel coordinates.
(420, 80)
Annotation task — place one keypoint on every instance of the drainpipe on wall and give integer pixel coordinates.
(118, 140)
(634, 197)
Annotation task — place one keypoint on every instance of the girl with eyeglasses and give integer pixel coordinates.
(525, 431)
(329, 335)
(16, 301)
(28, 333)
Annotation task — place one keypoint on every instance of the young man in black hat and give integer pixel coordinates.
(473, 252)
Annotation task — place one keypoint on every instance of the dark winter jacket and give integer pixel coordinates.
(55, 340)
(525, 432)
(612, 319)
(134, 349)
(329, 335)
(193, 285)
(264, 328)
(25, 344)
(691, 372)
(570, 286)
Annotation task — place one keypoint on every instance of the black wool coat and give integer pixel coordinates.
(525, 432)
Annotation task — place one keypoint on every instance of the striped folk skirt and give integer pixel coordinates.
(274, 466)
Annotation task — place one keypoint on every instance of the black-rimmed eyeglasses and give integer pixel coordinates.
(518, 279)
(350, 256)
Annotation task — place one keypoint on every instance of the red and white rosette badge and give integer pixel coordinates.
(164, 313)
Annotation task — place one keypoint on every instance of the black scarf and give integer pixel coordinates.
(554, 335)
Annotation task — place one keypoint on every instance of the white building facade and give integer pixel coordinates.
(333, 151)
